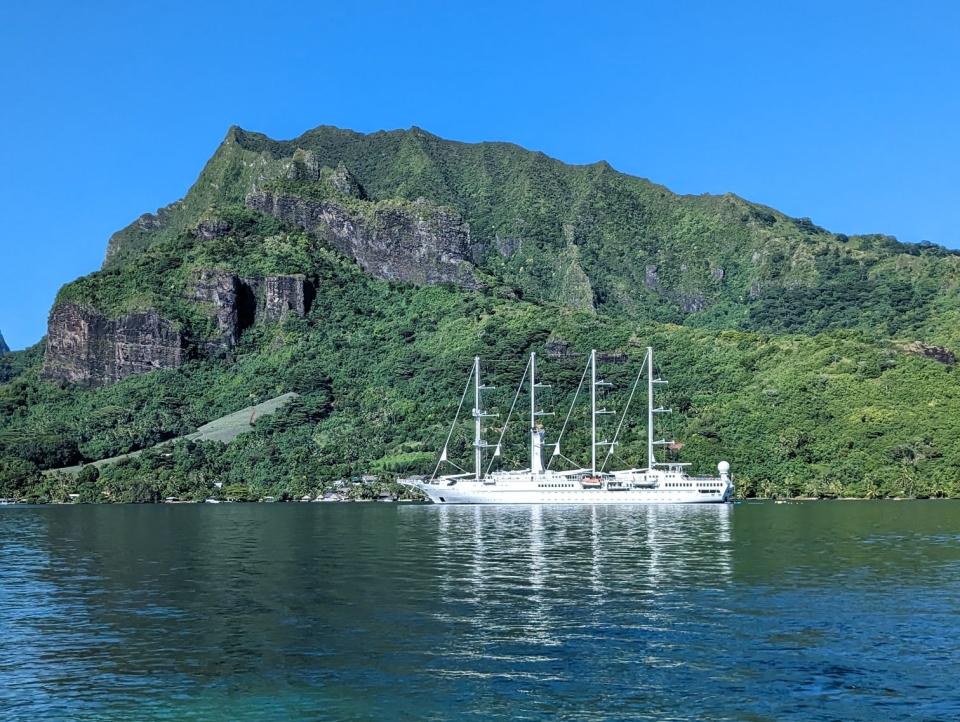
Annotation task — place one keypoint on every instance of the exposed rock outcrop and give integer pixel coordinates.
(693, 302)
(507, 247)
(345, 182)
(283, 295)
(86, 348)
(210, 228)
(558, 348)
(3, 345)
(232, 302)
(937, 353)
(238, 303)
(650, 277)
(304, 166)
(417, 243)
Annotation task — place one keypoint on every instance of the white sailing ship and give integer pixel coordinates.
(660, 482)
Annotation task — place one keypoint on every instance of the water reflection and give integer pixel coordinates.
(542, 578)
(360, 612)
(640, 548)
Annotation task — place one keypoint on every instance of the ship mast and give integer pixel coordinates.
(593, 412)
(533, 405)
(651, 461)
(651, 382)
(478, 414)
(536, 460)
(536, 435)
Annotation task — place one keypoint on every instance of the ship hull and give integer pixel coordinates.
(478, 493)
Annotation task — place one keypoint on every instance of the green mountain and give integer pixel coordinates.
(364, 271)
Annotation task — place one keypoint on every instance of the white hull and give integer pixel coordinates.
(527, 492)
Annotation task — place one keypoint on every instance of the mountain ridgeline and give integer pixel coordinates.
(364, 271)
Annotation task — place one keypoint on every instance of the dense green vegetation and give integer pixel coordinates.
(783, 343)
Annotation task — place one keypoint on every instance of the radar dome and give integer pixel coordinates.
(723, 467)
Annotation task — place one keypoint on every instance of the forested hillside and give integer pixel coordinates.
(364, 272)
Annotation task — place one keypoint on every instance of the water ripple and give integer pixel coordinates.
(816, 611)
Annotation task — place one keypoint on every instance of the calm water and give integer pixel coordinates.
(845, 610)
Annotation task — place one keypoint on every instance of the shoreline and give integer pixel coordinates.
(187, 502)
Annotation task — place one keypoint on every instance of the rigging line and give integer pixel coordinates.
(504, 429)
(613, 444)
(453, 426)
(570, 411)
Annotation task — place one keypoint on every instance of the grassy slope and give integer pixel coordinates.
(223, 429)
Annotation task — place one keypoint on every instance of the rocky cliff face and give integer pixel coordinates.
(238, 303)
(3, 345)
(278, 296)
(415, 242)
(88, 349)
(232, 303)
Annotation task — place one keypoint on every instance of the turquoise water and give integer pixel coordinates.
(818, 611)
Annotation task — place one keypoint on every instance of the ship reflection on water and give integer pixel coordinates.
(525, 585)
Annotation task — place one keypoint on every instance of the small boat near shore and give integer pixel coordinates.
(659, 482)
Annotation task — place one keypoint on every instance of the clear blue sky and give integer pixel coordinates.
(847, 112)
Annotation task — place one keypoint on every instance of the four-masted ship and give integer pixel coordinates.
(659, 482)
